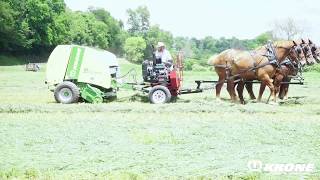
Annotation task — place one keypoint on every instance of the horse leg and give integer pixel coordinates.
(282, 91)
(230, 88)
(235, 87)
(284, 88)
(249, 89)
(286, 92)
(276, 88)
(269, 83)
(261, 90)
(240, 88)
(287, 89)
(277, 83)
(222, 77)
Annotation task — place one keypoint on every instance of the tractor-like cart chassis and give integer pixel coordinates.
(162, 81)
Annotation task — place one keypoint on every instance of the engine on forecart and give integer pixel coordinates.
(154, 73)
(165, 79)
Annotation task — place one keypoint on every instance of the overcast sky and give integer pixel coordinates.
(217, 18)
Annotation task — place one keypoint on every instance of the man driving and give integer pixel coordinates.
(163, 55)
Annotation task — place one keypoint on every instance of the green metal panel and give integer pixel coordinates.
(91, 94)
(75, 61)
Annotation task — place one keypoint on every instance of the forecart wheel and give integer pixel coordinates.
(159, 95)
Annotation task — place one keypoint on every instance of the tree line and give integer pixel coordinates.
(37, 26)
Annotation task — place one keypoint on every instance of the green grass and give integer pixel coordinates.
(314, 68)
(197, 137)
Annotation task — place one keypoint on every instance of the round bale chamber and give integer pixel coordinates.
(93, 71)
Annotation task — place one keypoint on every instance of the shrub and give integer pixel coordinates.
(134, 48)
(197, 67)
(188, 63)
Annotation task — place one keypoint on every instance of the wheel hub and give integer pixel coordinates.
(159, 96)
(65, 94)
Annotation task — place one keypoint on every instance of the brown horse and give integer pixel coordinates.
(305, 57)
(289, 67)
(307, 50)
(285, 70)
(310, 60)
(222, 63)
(247, 66)
(315, 51)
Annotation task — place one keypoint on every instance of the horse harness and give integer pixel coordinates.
(272, 60)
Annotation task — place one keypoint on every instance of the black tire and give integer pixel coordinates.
(67, 93)
(159, 95)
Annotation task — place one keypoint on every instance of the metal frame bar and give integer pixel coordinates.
(255, 82)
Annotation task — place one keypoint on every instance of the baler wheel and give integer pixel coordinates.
(67, 93)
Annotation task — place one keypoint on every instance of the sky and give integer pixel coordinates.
(243, 19)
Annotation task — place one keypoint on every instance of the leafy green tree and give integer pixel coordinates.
(39, 25)
(7, 27)
(196, 46)
(61, 30)
(99, 33)
(41, 17)
(188, 63)
(134, 49)
(13, 29)
(138, 21)
(117, 35)
(236, 43)
(250, 44)
(155, 35)
(87, 30)
(222, 44)
(209, 44)
(179, 42)
(264, 37)
(33, 24)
